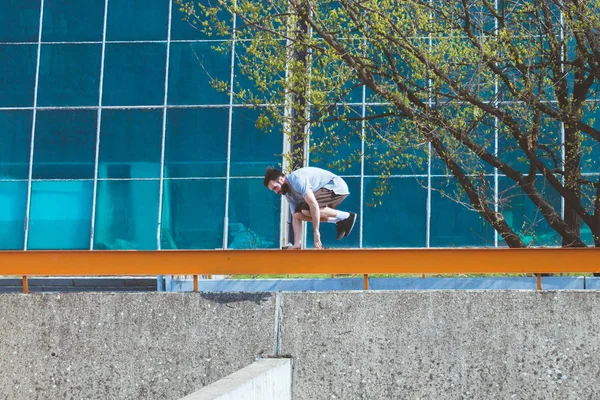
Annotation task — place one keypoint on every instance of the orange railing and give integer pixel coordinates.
(339, 261)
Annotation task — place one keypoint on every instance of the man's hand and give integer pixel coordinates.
(318, 244)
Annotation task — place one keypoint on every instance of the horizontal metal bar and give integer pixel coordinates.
(338, 261)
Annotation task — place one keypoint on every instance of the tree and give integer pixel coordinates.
(507, 85)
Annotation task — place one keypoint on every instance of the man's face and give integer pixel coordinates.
(276, 185)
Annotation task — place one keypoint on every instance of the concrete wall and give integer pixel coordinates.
(345, 345)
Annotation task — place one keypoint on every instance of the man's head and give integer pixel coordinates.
(275, 181)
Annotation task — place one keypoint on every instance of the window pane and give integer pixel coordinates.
(193, 214)
(328, 232)
(130, 144)
(13, 203)
(184, 30)
(73, 21)
(252, 149)
(19, 20)
(137, 19)
(254, 214)
(452, 223)
(590, 149)
(17, 75)
(69, 75)
(191, 67)
(196, 142)
(337, 146)
(15, 141)
(134, 74)
(126, 215)
(524, 217)
(65, 144)
(60, 215)
(400, 220)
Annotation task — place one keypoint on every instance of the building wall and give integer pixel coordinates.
(113, 138)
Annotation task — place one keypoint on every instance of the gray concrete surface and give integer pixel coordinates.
(127, 346)
(265, 379)
(431, 344)
(443, 344)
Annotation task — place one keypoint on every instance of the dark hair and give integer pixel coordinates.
(270, 175)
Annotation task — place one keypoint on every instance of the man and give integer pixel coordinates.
(313, 195)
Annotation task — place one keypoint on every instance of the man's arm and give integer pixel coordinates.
(315, 214)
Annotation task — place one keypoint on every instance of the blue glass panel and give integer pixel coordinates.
(388, 144)
(134, 74)
(191, 68)
(65, 144)
(336, 146)
(252, 149)
(193, 214)
(328, 232)
(452, 223)
(196, 142)
(137, 20)
(69, 75)
(590, 148)
(19, 20)
(60, 215)
(130, 144)
(254, 214)
(13, 203)
(17, 75)
(126, 215)
(524, 217)
(187, 30)
(15, 141)
(400, 220)
(73, 21)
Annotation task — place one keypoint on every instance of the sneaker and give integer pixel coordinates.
(349, 223)
(340, 229)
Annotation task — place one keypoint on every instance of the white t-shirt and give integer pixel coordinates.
(312, 178)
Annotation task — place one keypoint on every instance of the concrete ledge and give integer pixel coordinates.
(266, 379)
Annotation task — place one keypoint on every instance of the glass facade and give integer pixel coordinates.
(112, 137)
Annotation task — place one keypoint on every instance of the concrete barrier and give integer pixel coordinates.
(431, 344)
(266, 379)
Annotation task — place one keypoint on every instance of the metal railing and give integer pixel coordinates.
(536, 261)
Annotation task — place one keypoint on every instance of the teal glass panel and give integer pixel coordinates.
(191, 68)
(524, 217)
(196, 142)
(15, 142)
(588, 196)
(193, 214)
(19, 20)
(254, 214)
(328, 232)
(69, 75)
(126, 215)
(391, 144)
(130, 143)
(452, 223)
(188, 30)
(65, 144)
(73, 21)
(13, 203)
(17, 75)
(590, 148)
(137, 20)
(134, 74)
(336, 146)
(400, 220)
(252, 149)
(60, 215)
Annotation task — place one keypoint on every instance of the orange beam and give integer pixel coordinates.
(347, 261)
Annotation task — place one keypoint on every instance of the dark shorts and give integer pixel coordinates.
(325, 198)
